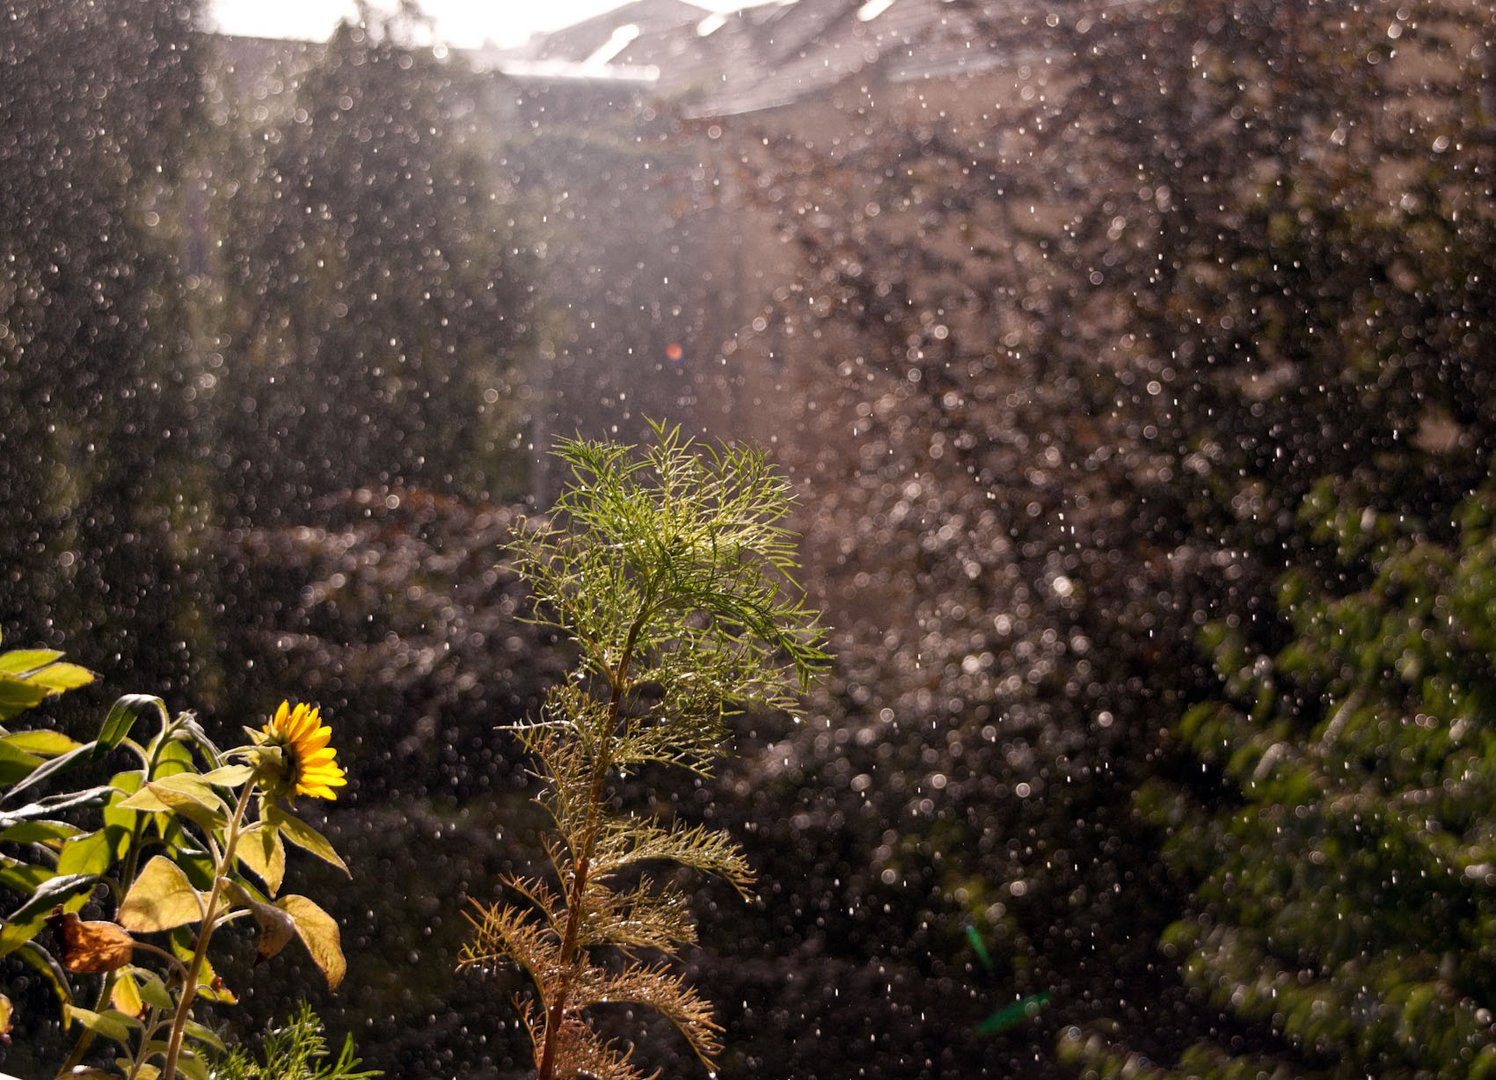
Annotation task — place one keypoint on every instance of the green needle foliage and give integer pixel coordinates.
(672, 572)
(296, 1051)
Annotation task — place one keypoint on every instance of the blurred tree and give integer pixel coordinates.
(389, 611)
(374, 296)
(211, 319)
(98, 379)
(1289, 207)
(373, 300)
(1098, 340)
(1345, 862)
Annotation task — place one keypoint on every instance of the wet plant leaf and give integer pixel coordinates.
(92, 853)
(276, 926)
(184, 794)
(26, 921)
(160, 899)
(124, 995)
(16, 696)
(41, 743)
(56, 765)
(319, 933)
(52, 804)
(110, 1024)
(90, 947)
(39, 832)
(228, 776)
(21, 662)
(153, 991)
(261, 851)
(122, 717)
(305, 837)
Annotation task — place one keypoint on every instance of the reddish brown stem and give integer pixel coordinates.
(555, 1013)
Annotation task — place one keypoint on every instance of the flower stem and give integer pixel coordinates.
(126, 876)
(204, 936)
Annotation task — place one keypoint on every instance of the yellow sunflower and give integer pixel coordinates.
(308, 766)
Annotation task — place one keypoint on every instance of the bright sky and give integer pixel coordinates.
(462, 23)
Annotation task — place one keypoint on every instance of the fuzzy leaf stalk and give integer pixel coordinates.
(671, 570)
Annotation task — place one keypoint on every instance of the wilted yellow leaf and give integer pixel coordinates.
(88, 947)
(276, 926)
(319, 933)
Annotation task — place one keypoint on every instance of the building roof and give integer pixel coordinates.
(775, 54)
(626, 35)
(751, 60)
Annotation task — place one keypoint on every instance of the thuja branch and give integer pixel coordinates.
(671, 571)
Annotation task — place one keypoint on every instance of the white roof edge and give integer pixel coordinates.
(571, 70)
(621, 38)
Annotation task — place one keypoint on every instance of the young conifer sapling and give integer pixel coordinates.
(671, 570)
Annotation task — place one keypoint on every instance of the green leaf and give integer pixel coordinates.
(25, 661)
(41, 743)
(16, 696)
(92, 853)
(39, 832)
(111, 1024)
(175, 757)
(153, 992)
(204, 1035)
(192, 1067)
(26, 921)
(319, 933)
(124, 784)
(191, 785)
(60, 677)
(230, 776)
(125, 994)
(28, 676)
(160, 899)
(15, 764)
(23, 877)
(145, 801)
(181, 793)
(305, 837)
(122, 717)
